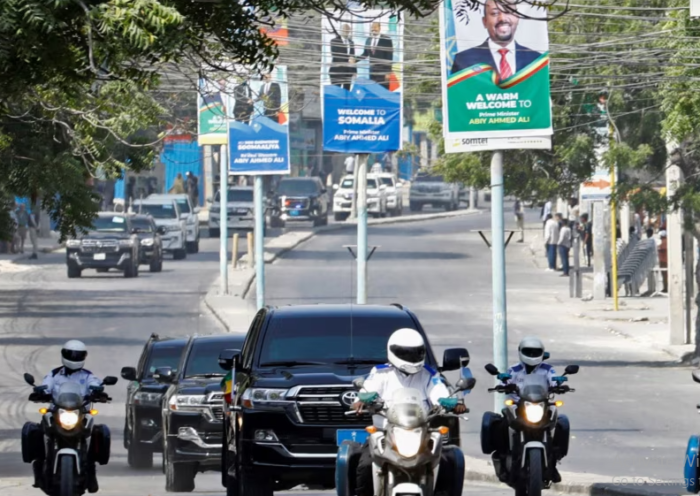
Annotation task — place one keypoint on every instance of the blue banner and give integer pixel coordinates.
(261, 147)
(366, 119)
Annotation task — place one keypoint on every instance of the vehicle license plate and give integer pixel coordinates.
(100, 256)
(350, 435)
(294, 213)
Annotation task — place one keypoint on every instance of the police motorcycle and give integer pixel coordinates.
(692, 456)
(408, 451)
(537, 436)
(66, 437)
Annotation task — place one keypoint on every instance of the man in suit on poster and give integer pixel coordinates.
(271, 96)
(379, 49)
(343, 60)
(500, 50)
(243, 105)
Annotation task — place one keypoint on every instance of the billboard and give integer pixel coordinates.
(258, 122)
(211, 118)
(495, 76)
(361, 81)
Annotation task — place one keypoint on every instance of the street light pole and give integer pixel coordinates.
(498, 271)
(259, 213)
(223, 231)
(361, 175)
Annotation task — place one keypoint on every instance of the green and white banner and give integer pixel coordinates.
(495, 76)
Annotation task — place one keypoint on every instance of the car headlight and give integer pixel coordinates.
(173, 228)
(73, 243)
(147, 399)
(126, 242)
(190, 402)
(407, 441)
(68, 418)
(534, 412)
(147, 242)
(263, 397)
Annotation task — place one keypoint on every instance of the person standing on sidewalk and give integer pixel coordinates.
(551, 238)
(586, 231)
(663, 260)
(564, 245)
(546, 211)
(22, 225)
(33, 225)
(519, 210)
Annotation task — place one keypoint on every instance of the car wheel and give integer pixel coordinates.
(138, 457)
(340, 216)
(252, 485)
(179, 478)
(74, 272)
(415, 207)
(130, 270)
(154, 266)
(180, 254)
(196, 246)
(232, 487)
(190, 247)
(214, 232)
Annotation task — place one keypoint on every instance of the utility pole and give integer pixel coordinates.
(223, 202)
(674, 236)
(498, 271)
(259, 213)
(353, 204)
(599, 247)
(472, 197)
(361, 182)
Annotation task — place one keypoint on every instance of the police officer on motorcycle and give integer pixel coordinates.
(406, 369)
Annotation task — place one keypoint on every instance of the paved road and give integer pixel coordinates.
(632, 412)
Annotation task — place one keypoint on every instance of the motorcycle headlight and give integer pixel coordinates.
(147, 242)
(126, 242)
(186, 402)
(68, 418)
(73, 243)
(407, 441)
(534, 412)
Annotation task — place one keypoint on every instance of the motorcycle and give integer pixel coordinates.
(537, 435)
(406, 454)
(67, 440)
(692, 456)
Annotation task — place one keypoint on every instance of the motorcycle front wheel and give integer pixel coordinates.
(534, 472)
(67, 485)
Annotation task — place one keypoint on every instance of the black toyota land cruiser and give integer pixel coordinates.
(143, 433)
(193, 409)
(294, 385)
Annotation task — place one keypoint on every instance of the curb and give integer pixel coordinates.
(45, 250)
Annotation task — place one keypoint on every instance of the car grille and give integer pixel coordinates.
(216, 405)
(325, 405)
(217, 412)
(93, 246)
(322, 414)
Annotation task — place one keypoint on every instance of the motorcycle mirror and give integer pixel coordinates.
(109, 380)
(696, 375)
(491, 369)
(29, 379)
(546, 355)
(466, 384)
(359, 382)
(571, 370)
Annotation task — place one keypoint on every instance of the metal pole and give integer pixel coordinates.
(353, 204)
(472, 197)
(498, 257)
(613, 240)
(234, 251)
(223, 201)
(689, 285)
(251, 255)
(259, 242)
(599, 244)
(361, 166)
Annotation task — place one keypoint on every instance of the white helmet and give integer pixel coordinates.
(73, 354)
(406, 351)
(531, 351)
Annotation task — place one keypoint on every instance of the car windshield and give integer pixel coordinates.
(159, 211)
(109, 224)
(184, 205)
(347, 183)
(204, 358)
(143, 225)
(389, 181)
(371, 184)
(164, 355)
(237, 195)
(425, 178)
(295, 187)
(295, 339)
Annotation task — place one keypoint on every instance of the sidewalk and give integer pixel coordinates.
(11, 261)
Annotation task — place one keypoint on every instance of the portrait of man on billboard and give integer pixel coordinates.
(343, 68)
(500, 50)
(379, 50)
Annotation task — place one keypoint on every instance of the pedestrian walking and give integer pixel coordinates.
(33, 226)
(178, 187)
(551, 239)
(573, 212)
(546, 212)
(22, 225)
(193, 188)
(564, 245)
(519, 211)
(586, 230)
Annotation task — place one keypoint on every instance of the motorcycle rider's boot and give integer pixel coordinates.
(37, 467)
(556, 477)
(91, 476)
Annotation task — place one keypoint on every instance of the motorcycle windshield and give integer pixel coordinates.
(69, 396)
(535, 388)
(408, 408)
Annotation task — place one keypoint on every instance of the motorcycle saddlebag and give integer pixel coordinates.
(101, 444)
(561, 437)
(690, 472)
(32, 442)
(456, 475)
(490, 432)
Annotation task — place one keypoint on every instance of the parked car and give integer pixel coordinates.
(193, 410)
(432, 190)
(293, 388)
(299, 199)
(377, 199)
(394, 193)
(143, 433)
(240, 212)
(111, 243)
(166, 214)
(151, 252)
(189, 213)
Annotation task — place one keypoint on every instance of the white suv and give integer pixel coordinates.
(187, 212)
(166, 214)
(376, 197)
(394, 193)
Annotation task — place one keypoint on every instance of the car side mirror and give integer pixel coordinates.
(491, 369)
(455, 359)
(335, 187)
(571, 370)
(358, 383)
(466, 384)
(546, 355)
(696, 376)
(129, 373)
(161, 230)
(163, 375)
(228, 358)
(29, 379)
(110, 380)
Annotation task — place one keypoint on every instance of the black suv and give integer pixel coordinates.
(151, 243)
(299, 199)
(193, 409)
(294, 385)
(143, 433)
(111, 244)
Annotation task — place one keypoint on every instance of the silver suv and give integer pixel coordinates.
(433, 190)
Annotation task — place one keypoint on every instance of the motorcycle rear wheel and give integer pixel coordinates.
(67, 485)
